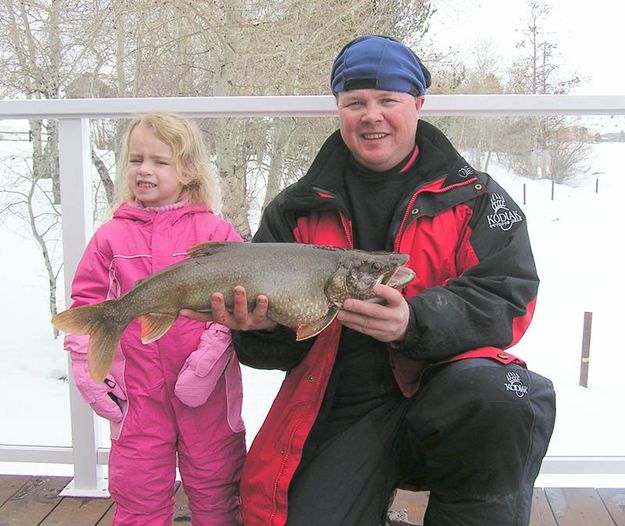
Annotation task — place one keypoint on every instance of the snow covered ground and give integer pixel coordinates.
(578, 245)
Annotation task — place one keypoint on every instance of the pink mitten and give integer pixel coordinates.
(99, 396)
(204, 366)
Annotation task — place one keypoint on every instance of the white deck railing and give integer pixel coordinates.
(86, 455)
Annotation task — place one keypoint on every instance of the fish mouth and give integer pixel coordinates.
(399, 278)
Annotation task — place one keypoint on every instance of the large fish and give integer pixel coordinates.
(305, 284)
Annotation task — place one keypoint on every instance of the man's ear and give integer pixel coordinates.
(419, 101)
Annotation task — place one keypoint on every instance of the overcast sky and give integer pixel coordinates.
(588, 34)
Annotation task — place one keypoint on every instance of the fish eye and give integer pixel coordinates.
(376, 266)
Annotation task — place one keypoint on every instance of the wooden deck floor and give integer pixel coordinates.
(35, 501)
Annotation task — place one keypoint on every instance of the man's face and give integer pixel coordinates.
(378, 127)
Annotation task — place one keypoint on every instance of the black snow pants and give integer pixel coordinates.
(474, 436)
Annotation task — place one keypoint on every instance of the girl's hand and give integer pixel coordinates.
(385, 322)
(239, 319)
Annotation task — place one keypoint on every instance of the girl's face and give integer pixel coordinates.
(151, 176)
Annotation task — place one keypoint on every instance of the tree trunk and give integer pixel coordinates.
(281, 136)
(232, 174)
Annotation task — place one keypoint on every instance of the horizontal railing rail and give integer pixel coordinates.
(308, 106)
(86, 454)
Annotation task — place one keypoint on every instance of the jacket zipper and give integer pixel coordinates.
(276, 483)
(347, 229)
(409, 210)
(340, 210)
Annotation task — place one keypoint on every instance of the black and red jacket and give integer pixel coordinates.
(473, 296)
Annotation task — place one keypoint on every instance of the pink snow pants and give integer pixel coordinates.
(157, 430)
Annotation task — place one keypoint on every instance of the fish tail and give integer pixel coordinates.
(103, 328)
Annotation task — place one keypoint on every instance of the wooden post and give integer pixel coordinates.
(524, 201)
(597, 185)
(553, 189)
(583, 370)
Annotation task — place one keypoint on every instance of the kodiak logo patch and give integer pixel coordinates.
(514, 384)
(502, 217)
(465, 172)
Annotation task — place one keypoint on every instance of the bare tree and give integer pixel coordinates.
(258, 48)
(42, 51)
(28, 197)
(477, 137)
(116, 48)
(536, 147)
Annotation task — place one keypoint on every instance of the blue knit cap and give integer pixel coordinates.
(378, 62)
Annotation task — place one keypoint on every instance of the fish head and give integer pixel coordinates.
(359, 271)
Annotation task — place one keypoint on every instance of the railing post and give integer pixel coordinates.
(76, 214)
(585, 363)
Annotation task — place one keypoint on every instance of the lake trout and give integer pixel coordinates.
(305, 284)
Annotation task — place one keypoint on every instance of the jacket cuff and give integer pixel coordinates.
(276, 349)
(412, 345)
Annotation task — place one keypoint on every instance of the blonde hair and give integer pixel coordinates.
(189, 157)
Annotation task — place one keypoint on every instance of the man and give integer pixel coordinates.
(418, 392)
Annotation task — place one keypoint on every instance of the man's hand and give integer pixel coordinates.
(240, 319)
(386, 322)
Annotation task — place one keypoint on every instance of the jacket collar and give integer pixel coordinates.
(136, 213)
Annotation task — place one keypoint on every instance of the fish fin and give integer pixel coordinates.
(81, 320)
(103, 343)
(103, 329)
(154, 325)
(207, 248)
(312, 329)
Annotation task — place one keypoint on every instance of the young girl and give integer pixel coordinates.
(179, 398)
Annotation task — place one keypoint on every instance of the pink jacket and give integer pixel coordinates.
(133, 245)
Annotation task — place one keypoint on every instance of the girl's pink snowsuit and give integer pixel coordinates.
(208, 440)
